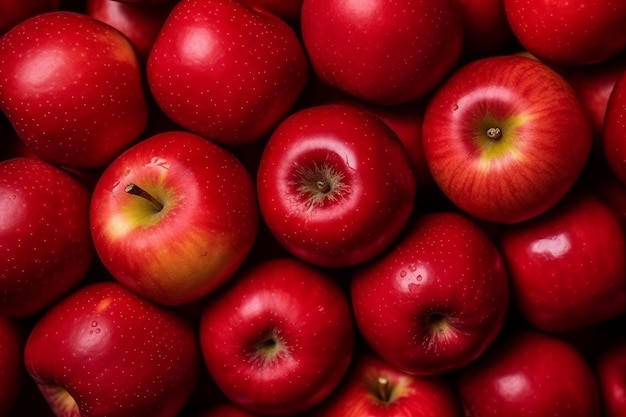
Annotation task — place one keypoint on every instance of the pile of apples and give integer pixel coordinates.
(323, 208)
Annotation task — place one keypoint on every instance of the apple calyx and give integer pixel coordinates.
(494, 133)
(140, 192)
(320, 183)
(270, 348)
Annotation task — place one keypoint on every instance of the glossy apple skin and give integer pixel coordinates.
(44, 235)
(12, 371)
(308, 317)
(354, 221)
(115, 353)
(529, 374)
(610, 369)
(204, 232)
(410, 396)
(384, 52)
(16, 11)
(226, 71)
(140, 22)
(571, 33)
(567, 267)
(614, 133)
(443, 267)
(545, 143)
(87, 103)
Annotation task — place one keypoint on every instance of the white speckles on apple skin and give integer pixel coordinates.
(106, 346)
(45, 242)
(71, 87)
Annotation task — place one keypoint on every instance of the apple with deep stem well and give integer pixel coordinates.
(335, 185)
(506, 138)
(436, 299)
(279, 339)
(174, 217)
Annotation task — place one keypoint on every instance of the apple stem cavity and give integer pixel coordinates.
(319, 183)
(494, 133)
(140, 192)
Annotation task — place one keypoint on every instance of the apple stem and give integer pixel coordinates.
(323, 186)
(383, 389)
(494, 133)
(140, 192)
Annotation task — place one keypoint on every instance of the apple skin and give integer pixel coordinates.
(613, 135)
(105, 351)
(198, 239)
(87, 103)
(543, 143)
(226, 71)
(486, 31)
(44, 235)
(12, 371)
(530, 374)
(373, 387)
(370, 185)
(288, 10)
(16, 11)
(576, 32)
(436, 299)
(567, 267)
(278, 340)
(140, 22)
(381, 51)
(610, 370)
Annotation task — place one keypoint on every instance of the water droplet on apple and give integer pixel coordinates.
(13, 196)
(94, 323)
(403, 273)
(455, 107)
(418, 278)
(413, 267)
(413, 288)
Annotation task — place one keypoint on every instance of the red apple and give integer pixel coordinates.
(106, 352)
(279, 339)
(436, 299)
(174, 217)
(567, 267)
(529, 374)
(71, 88)
(506, 138)
(375, 388)
(610, 368)
(574, 32)
(335, 185)
(16, 11)
(44, 235)
(226, 71)
(382, 51)
(12, 372)
(593, 85)
(614, 134)
(139, 21)
(486, 31)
